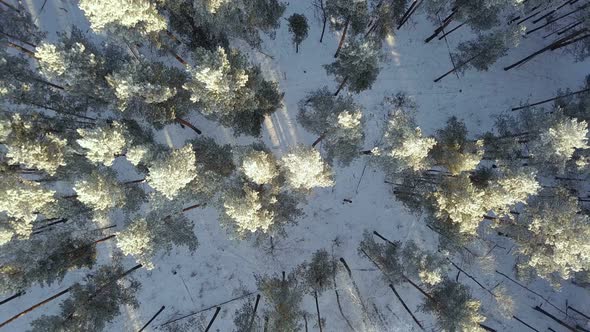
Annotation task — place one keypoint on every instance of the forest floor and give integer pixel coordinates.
(222, 268)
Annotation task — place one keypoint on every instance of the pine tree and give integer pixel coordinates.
(103, 143)
(92, 304)
(429, 268)
(357, 66)
(454, 307)
(347, 14)
(145, 237)
(173, 170)
(283, 297)
(454, 151)
(403, 147)
(387, 16)
(100, 191)
(319, 276)
(305, 169)
(337, 120)
(298, 28)
(123, 17)
(30, 145)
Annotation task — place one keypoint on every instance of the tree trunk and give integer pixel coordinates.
(9, 6)
(550, 99)
(134, 181)
(17, 39)
(575, 40)
(191, 207)
(317, 308)
(544, 49)
(444, 24)
(22, 313)
(152, 319)
(383, 238)
(213, 319)
(436, 80)
(22, 49)
(451, 31)
(409, 13)
(40, 229)
(188, 124)
(318, 140)
(18, 294)
(470, 277)
(341, 86)
(253, 313)
(539, 309)
(578, 312)
(557, 19)
(60, 112)
(342, 311)
(487, 328)
(525, 324)
(406, 307)
(346, 24)
(527, 18)
(296, 47)
(325, 19)
(304, 319)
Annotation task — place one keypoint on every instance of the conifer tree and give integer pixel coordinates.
(173, 170)
(337, 121)
(454, 151)
(345, 15)
(283, 297)
(298, 28)
(319, 276)
(92, 304)
(100, 191)
(104, 142)
(145, 237)
(305, 169)
(123, 17)
(357, 66)
(454, 307)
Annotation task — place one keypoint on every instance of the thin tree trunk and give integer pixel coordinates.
(213, 319)
(18, 39)
(355, 286)
(539, 309)
(317, 308)
(191, 207)
(580, 313)
(341, 86)
(9, 6)
(444, 24)
(188, 124)
(22, 313)
(561, 32)
(325, 19)
(575, 40)
(304, 319)
(22, 49)
(384, 239)
(409, 13)
(49, 83)
(346, 24)
(436, 80)
(525, 324)
(470, 277)
(406, 307)
(342, 311)
(546, 48)
(451, 31)
(318, 140)
(253, 313)
(527, 18)
(296, 47)
(39, 229)
(557, 19)
(550, 99)
(134, 181)
(152, 319)
(485, 327)
(18, 294)
(61, 112)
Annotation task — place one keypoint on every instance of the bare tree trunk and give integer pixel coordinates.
(152, 319)
(557, 19)
(406, 307)
(383, 238)
(550, 99)
(296, 47)
(444, 24)
(188, 124)
(213, 319)
(22, 49)
(253, 313)
(191, 207)
(304, 319)
(9, 6)
(527, 18)
(18, 294)
(461, 65)
(40, 228)
(409, 13)
(451, 31)
(17, 39)
(134, 181)
(578, 312)
(324, 18)
(346, 24)
(341, 86)
(470, 277)
(539, 309)
(47, 300)
(318, 140)
(525, 324)
(317, 308)
(485, 327)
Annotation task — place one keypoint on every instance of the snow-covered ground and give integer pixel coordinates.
(222, 268)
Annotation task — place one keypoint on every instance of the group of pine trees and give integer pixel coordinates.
(79, 157)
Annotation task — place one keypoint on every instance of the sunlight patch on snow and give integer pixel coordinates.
(272, 133)
(168, 138)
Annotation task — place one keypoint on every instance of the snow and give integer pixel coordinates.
(186, 283)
